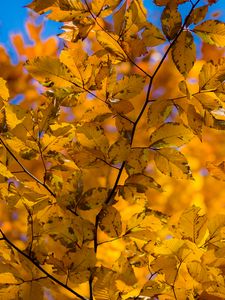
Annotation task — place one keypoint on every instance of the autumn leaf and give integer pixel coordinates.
(192, 225)
(104, 8)
(195, 121)
(217, 170)
(212, 75)
(197, 15)
(171, 20)
(110, 221)
(184, 53)
(142, 183)
(172, 163)
(128, 87)
(212, 32)
(110, 42)
(86, 210)
(158, 111)
(170, 134)
(152, 36)
(51, 71)
(5, 172)
(4, 92)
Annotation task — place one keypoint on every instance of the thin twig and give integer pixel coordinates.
(130, 59)
(91, 287)
(25, 170)
(41, 268)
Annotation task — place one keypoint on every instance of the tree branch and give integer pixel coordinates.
(41, 268)
(108, 200)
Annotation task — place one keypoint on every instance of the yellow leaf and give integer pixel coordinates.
(217, 171)
(93, 198)
(195, 121)
(197, 15)
(135, 18)
(143, 225)
(4, 92)
(110, 221)
(137, 161)
(125, 270)
(18, 146)
(39, 5)
(110, 42)
(5, 172)
(92, 135)
(198, 271)
(170, 134)
(70, 59)
(184, 53)
(183, 87)
(118, 18)
(209, 101)
(121, 107)
(51, 71)
(212, 32)
(119, 151)
(158, 111)
(172, 163)
(104, 8)
(14, 115)
(216, 226)
(152, 288)
(166, 264)
(152, 36)
(212, 75)
(192, 225)
(128, 87)
(142, 183)
(105, 288)
(171, 20)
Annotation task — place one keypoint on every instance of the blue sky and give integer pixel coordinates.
(13, 15)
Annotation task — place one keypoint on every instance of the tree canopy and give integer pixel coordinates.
(112, 154)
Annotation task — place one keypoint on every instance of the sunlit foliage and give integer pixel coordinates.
(112, 164)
